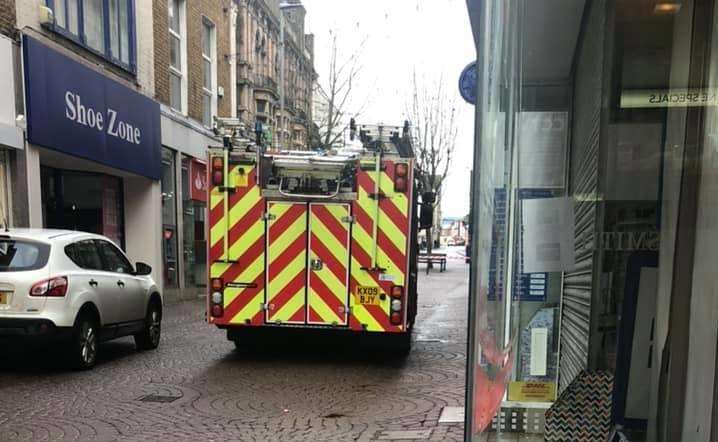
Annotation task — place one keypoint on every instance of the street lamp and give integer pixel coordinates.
(282, 8)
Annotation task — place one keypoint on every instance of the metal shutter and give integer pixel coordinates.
(577, 288)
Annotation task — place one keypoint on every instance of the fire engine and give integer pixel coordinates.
(313, 239)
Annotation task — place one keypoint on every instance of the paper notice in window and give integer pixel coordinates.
(548, 235)
(539, 351)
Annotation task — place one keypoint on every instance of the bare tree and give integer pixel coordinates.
(334, 93)
(432, 114)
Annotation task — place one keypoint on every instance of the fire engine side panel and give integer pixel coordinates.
(328, 289)
(393, 229)
(241, 264)
(286, 262)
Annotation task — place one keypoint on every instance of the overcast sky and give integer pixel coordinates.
(432, 37)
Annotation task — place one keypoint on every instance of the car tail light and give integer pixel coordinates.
(216, 299)
(53, 287)
(401, 172)
(217, 171)
(397, 305)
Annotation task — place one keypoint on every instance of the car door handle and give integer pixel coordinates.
(93, 283)
(120, 283)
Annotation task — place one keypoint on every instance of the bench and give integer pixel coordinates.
(434, 258)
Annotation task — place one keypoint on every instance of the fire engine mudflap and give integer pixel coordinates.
(303, 241)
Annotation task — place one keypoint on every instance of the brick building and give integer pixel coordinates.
(194, 82)
(259, 27)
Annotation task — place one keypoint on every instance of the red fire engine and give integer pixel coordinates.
(307, 239)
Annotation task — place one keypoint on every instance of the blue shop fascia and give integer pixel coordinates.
(92, 151)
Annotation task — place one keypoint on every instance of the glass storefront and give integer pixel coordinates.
(184, 215)
(593, 200)
(169, 219)
(84, 201)
(194, 213)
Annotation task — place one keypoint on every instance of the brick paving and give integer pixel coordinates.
(217, 393)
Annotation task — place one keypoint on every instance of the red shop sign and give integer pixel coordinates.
(198, 181)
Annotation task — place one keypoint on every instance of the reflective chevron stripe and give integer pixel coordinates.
(392, 245)
(244, 296)
(329, 244)
(286, 262)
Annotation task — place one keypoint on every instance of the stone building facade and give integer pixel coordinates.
(259, 24)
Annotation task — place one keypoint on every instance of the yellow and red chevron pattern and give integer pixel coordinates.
(390, 210)
(241, 265)
(303, 263)
(328, 290)
(286, 262)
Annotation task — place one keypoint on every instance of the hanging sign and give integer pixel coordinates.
(467, 83)
(198, 180)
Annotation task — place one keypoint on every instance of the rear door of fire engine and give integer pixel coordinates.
(286, 262)
(307, 263)
(328, 282)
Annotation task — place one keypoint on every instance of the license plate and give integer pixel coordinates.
(367, 295)
(4, 298)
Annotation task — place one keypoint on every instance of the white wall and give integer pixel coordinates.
(143, 223)
(34, 190)
(185, 135)
(10, 134)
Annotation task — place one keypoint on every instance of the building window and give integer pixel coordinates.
(261, 106)
(209, 72)
(178, 55)
(106, 27)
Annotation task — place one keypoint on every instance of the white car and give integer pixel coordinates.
(75, 287)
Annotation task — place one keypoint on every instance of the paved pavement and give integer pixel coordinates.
(312, 393)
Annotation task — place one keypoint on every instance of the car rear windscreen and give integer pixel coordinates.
(17, 255)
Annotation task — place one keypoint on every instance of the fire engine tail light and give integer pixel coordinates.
(51, 288)
(401, 172)
(217, 171)
(397, 305)
(217, 297)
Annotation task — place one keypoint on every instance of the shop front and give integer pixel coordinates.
(594, 310)
(184, 204)
(92, 159)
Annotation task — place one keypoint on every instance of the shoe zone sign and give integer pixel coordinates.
(76, 110)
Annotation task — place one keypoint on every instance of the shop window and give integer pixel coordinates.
(105, 27)
(178, 54)
(83, 201)
(209, 72)
(169, 219)
(194, 216)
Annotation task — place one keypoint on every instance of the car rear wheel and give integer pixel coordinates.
(83, 347)
(149, 338)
